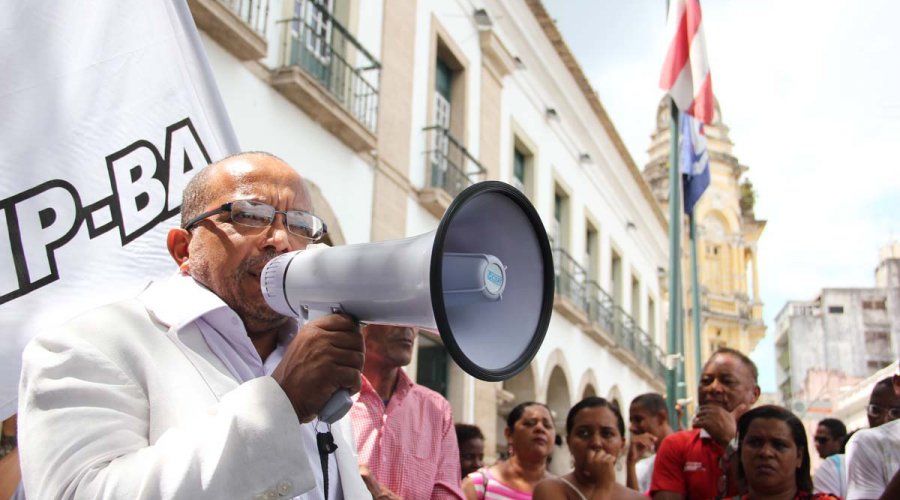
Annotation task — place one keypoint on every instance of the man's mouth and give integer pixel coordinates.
(714, 401)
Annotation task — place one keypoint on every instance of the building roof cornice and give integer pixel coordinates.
(565, 54)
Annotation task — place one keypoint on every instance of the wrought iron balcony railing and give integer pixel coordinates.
(624, 329)
(570, 279)
(253, 12)
(323, 48)
(451, 166)
(602, 311)
(600, 306)
(659, 366)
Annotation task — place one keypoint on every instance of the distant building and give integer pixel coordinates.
(844, 332)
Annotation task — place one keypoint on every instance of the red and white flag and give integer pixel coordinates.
(685, 74)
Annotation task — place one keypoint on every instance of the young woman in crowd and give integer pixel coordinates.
(530, 434)
(773, 456)
(595, 434)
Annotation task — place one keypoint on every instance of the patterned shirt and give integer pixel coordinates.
(409, 445)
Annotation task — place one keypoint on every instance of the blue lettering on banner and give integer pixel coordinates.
(146, 190)
(494, 278)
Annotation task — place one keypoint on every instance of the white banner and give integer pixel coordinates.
(107, 108)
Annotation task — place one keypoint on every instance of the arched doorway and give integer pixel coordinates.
(559, 402)
(322, 208)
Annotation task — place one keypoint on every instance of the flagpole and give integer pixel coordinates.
(675, 338)
(695, 295)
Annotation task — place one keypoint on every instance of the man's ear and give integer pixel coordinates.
(662, 416)
(756, 393)
(178, 241)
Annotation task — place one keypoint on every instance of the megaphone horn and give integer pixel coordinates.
(483, 279)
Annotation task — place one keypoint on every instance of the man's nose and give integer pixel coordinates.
(279, 239)
(715, 386)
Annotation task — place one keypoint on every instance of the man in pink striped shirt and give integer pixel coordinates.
(404, 431)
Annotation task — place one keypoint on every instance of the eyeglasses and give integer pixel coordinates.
(822, 439)
(257, 214)
(876, 411)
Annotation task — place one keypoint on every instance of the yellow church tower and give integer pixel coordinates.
(727, 236)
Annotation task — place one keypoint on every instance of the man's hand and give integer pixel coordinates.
(639, 446)
(326, 355)
(378, 491)
(719, 422)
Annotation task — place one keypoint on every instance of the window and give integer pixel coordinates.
(523, 161)
(651, 318)
(431, 365)
(877, 365)
(635, 299)
(442, 109)
(518, 177)
(313, 26)
(835, 309)
(875, 305)
(615, 279)
(451, 167)
(878, 342)
(558, 228)
(591, 250)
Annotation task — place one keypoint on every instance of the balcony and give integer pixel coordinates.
(571, 299)
(450, 169)
(237, 25)
(586, 304)
(600, 310)
(328, 74)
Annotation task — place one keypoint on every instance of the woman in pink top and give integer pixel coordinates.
(530, 434)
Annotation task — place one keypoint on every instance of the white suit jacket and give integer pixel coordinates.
(120, 405)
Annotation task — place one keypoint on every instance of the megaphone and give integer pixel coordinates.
(483, 279)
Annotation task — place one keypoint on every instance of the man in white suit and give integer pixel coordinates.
(196, 388)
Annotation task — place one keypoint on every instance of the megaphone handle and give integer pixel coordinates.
(336, 407)
(339, 403)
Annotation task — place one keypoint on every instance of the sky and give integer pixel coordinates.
(811, 93)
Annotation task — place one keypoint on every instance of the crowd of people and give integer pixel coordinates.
(197, 389)
(733, 450)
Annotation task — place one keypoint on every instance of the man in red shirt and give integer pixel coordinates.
(404, 431)
(699, 463)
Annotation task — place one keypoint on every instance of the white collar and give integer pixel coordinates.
(180, 300)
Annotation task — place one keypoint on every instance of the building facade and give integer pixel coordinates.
(391, 108)
(727, 236)
(846, 332)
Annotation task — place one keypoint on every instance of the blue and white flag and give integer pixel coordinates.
(693, 159)
(108, 109)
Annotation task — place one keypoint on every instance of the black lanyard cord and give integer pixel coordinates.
(325, 445)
